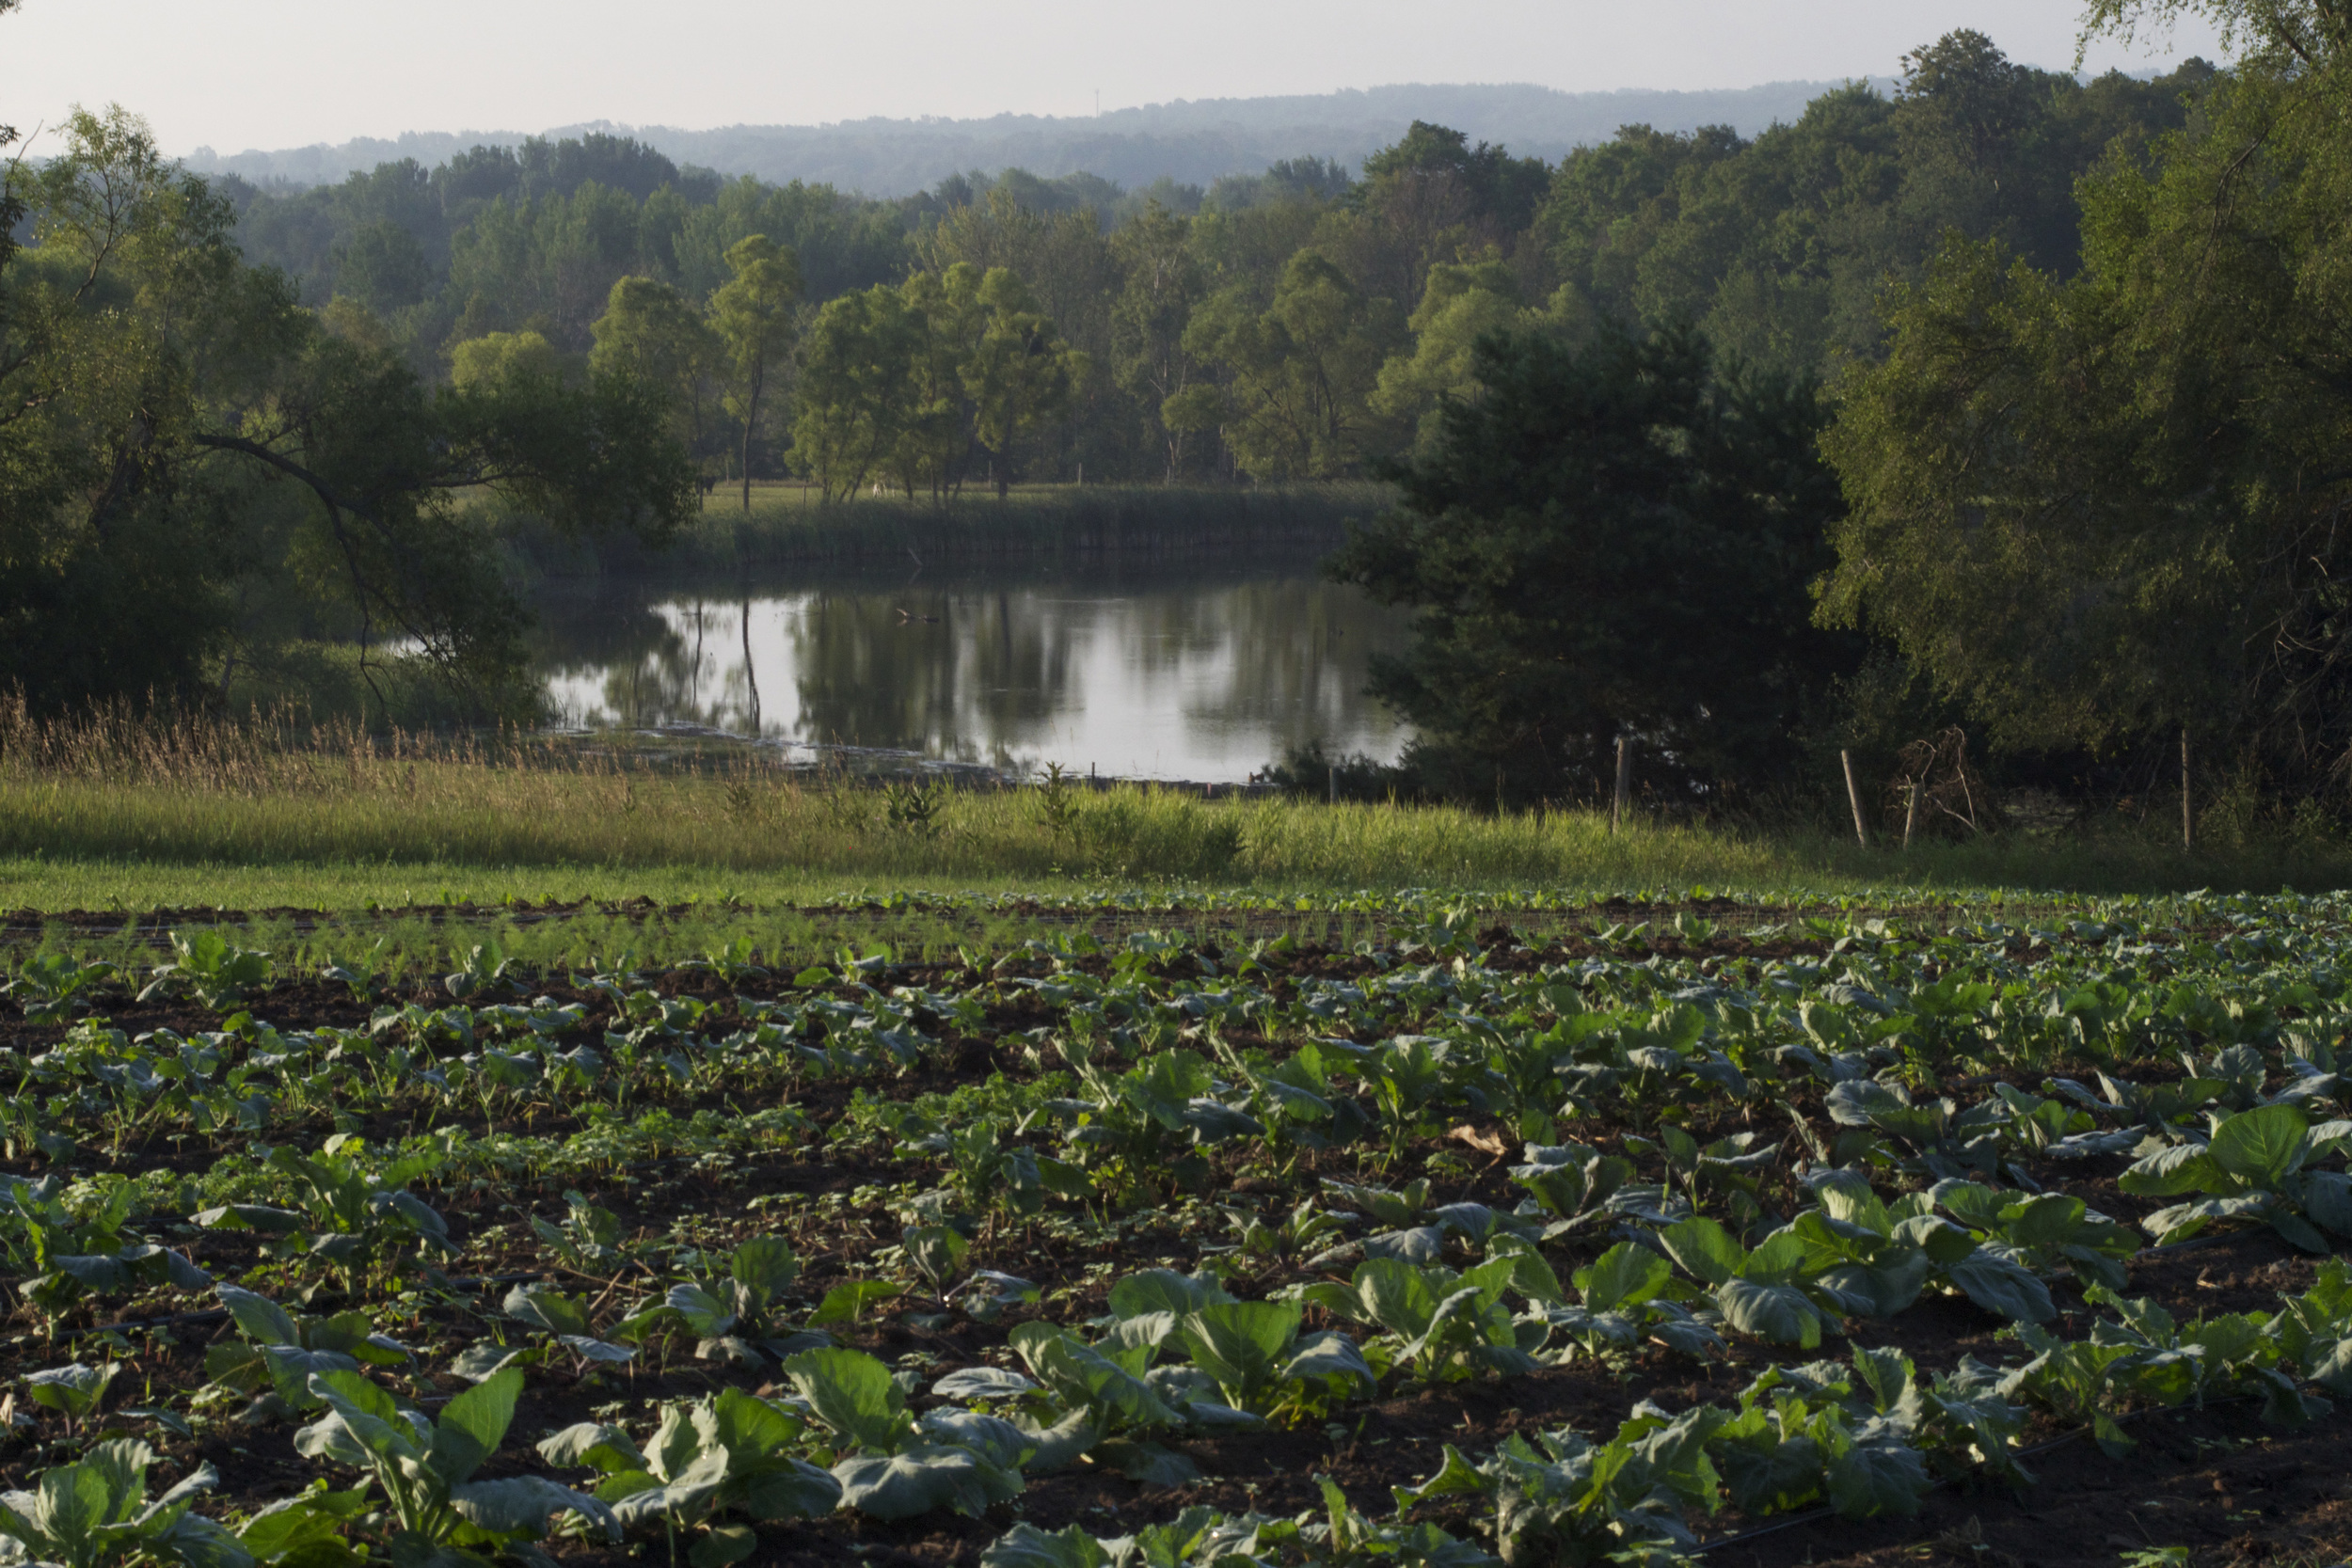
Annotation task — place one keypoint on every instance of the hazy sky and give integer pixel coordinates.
(273, 74)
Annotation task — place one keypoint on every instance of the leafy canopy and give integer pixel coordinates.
(1611, 541)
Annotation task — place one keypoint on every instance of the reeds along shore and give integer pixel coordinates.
(272, 791)
(789, 525)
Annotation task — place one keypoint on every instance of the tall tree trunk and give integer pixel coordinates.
(751, 422)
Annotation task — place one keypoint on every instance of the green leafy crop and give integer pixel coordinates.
(2261, 1164)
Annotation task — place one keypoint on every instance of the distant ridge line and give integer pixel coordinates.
(1193, 141)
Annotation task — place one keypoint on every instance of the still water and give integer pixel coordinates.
(1137, 668)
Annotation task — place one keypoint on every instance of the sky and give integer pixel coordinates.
(234, 74)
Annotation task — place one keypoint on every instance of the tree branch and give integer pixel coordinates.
(285, 465)
(336, 506)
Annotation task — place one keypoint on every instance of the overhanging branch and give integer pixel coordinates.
(325, 492)
(336, 506)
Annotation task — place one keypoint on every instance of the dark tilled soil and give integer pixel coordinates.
(2216, 1480)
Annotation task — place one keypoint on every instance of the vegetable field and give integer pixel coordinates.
(1801, 1236)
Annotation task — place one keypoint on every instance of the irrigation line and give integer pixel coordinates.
(209, 1314)
(1811, 1517)
(2215, 1238)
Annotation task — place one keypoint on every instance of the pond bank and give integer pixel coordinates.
(788, 526)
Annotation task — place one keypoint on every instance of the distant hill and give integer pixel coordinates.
(1193, 142)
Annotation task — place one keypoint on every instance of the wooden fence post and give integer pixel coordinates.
(1853, 798)
(1624, 781)
(1911, 813)
(2189, 810)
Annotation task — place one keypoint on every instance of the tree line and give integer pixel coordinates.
(2007, 401)
(2074, 490)
(200, 475)
(1303, 322)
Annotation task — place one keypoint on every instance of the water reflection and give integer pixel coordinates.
(1154, 671)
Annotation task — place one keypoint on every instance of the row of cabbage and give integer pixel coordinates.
(1148, 1070)
(2240, 1137)
(1866, 1437)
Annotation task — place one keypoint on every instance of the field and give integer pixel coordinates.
(1390, 1231)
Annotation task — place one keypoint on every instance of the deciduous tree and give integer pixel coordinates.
(179, 437)
(1300, 374)
(1607, 540)
(650, 330)
(854, 392)
(1461, 304)
(2100, 509)
(496, 358)
(754, 314)
(1163, 284)
(943, 321)
(1020, 374)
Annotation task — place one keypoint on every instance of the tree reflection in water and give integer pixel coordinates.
(1154, 669)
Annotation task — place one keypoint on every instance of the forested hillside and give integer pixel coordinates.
(1296, 322)
(1196, 141)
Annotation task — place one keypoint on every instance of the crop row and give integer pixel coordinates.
(1698, 1143)
(1868, 1438)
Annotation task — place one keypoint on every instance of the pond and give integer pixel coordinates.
(1134, 666)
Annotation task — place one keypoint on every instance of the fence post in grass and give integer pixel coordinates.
(1911, 813)
(2188, 811)
(1334, 787)
(1853, 798)
(1624, 781)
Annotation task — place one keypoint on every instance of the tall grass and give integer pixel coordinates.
(270, 792)
(787, 525)
(147, 800)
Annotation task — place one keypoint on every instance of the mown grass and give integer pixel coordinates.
(789, 524)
